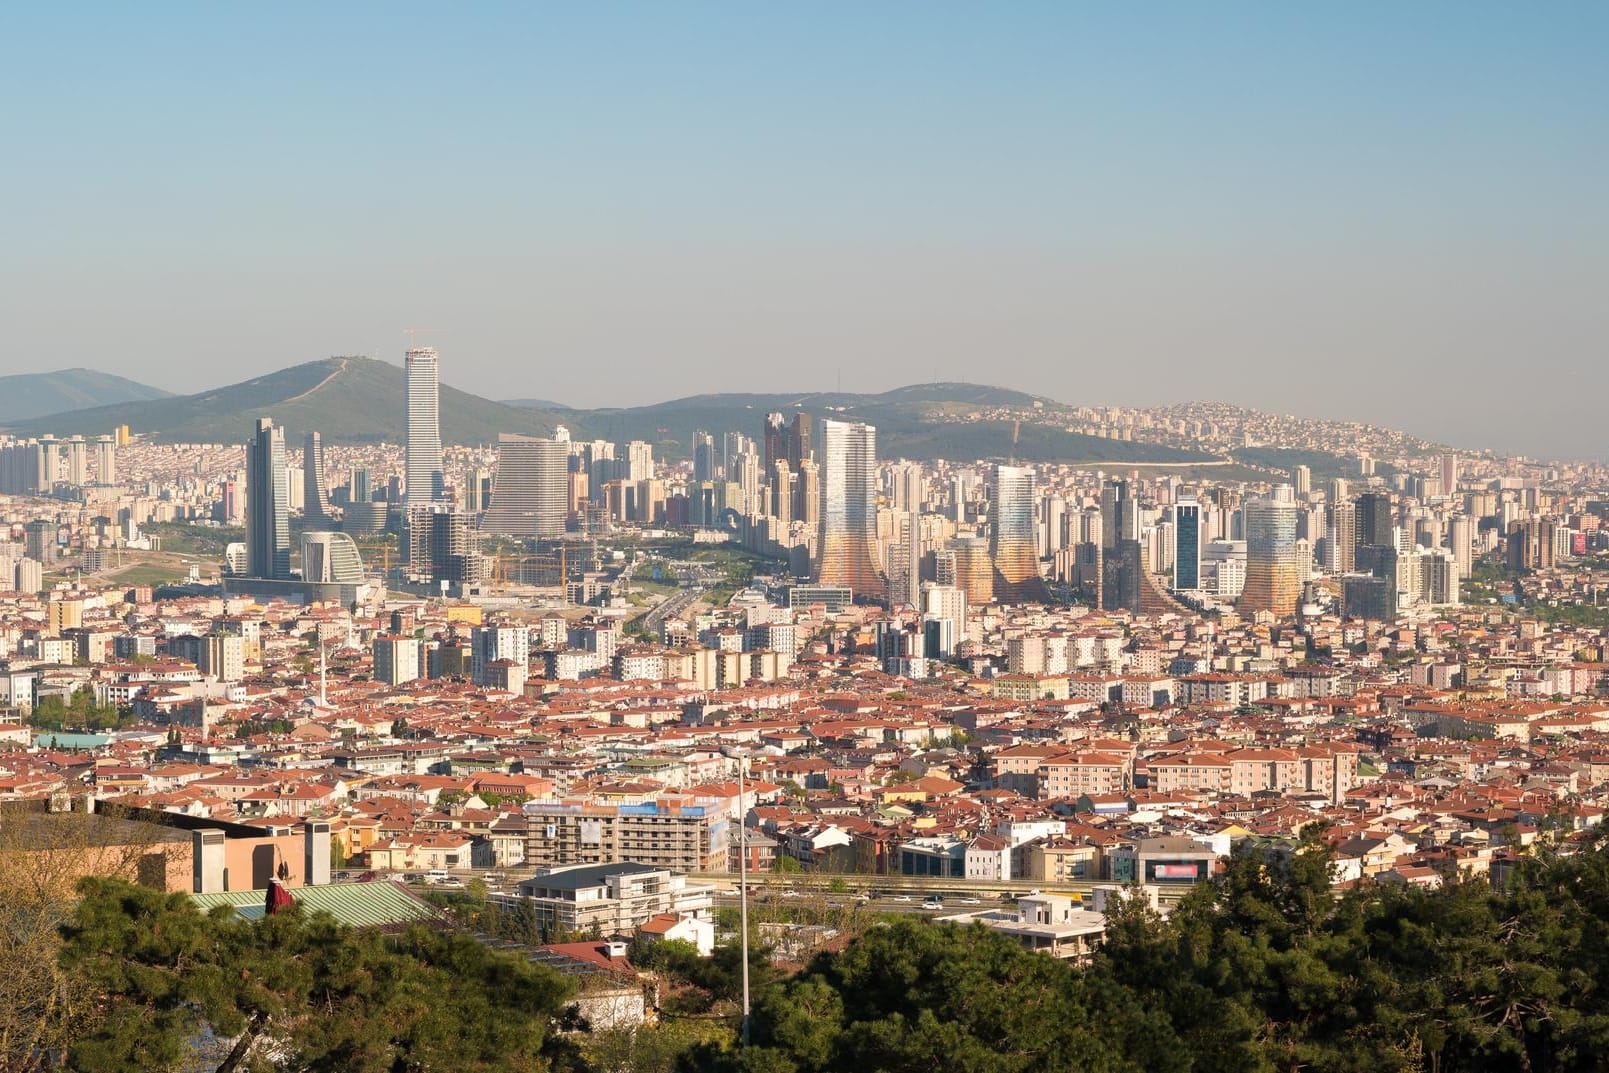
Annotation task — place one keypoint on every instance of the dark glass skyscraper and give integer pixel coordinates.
(1187, 545)
(1120, 547)
(268, 534)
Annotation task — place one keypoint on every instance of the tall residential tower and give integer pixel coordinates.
(846, 553)
(1013, 536)
(424, 473)
(1273, 563)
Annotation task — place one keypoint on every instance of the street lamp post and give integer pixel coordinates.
(743, 884)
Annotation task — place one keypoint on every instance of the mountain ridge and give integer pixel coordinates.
(359, 399)
(31, 395)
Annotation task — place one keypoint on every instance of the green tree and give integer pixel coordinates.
(316, 995)
(915, 996)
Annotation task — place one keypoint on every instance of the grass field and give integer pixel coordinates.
(150, 574)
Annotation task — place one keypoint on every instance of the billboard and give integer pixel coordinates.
(1176, 871)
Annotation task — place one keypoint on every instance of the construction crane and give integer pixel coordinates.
(411, 332)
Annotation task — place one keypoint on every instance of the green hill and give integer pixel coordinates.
(956, 422)
(32, 395)
(354, 399)
(347, 399)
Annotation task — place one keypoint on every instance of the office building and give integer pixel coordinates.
(846, 553)
(423, 463)
(705, 460)
(1369, 597)
(1187, 545)
(1013, 542)
(531, 490)
(801, 441)
(331, 559)
(268, 540)
(1120, 547)
(775, 439)
(1273, 564)
(315, 490)
(1376, 524)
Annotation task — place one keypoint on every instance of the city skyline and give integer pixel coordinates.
(1416, 207)
(804, 538)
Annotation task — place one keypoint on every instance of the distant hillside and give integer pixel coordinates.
(347, 399)
(30, 395)
(361, 400)
(923, 421)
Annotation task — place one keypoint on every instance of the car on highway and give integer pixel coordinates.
(933, 903)
(971, 901)
(900, 898)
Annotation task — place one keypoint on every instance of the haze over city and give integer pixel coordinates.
(1383, 212)
(755, 538)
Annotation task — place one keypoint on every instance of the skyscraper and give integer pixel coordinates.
(905, 553)
(1342, 536)
(1013, 543)
(315, 492)
(1376, 532)
(845, 555)
(531, 490)
(705, 462)
(106, 460)
(1375, 521)
(1120, 547)
(970, 569)
(1273, 565)
(424, 475)
(268, 534)
(1187, 545)
(776, 439)
(801, 440)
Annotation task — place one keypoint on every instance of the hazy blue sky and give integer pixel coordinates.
(1394, 211)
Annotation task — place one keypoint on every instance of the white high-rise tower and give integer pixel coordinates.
(424, 475)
